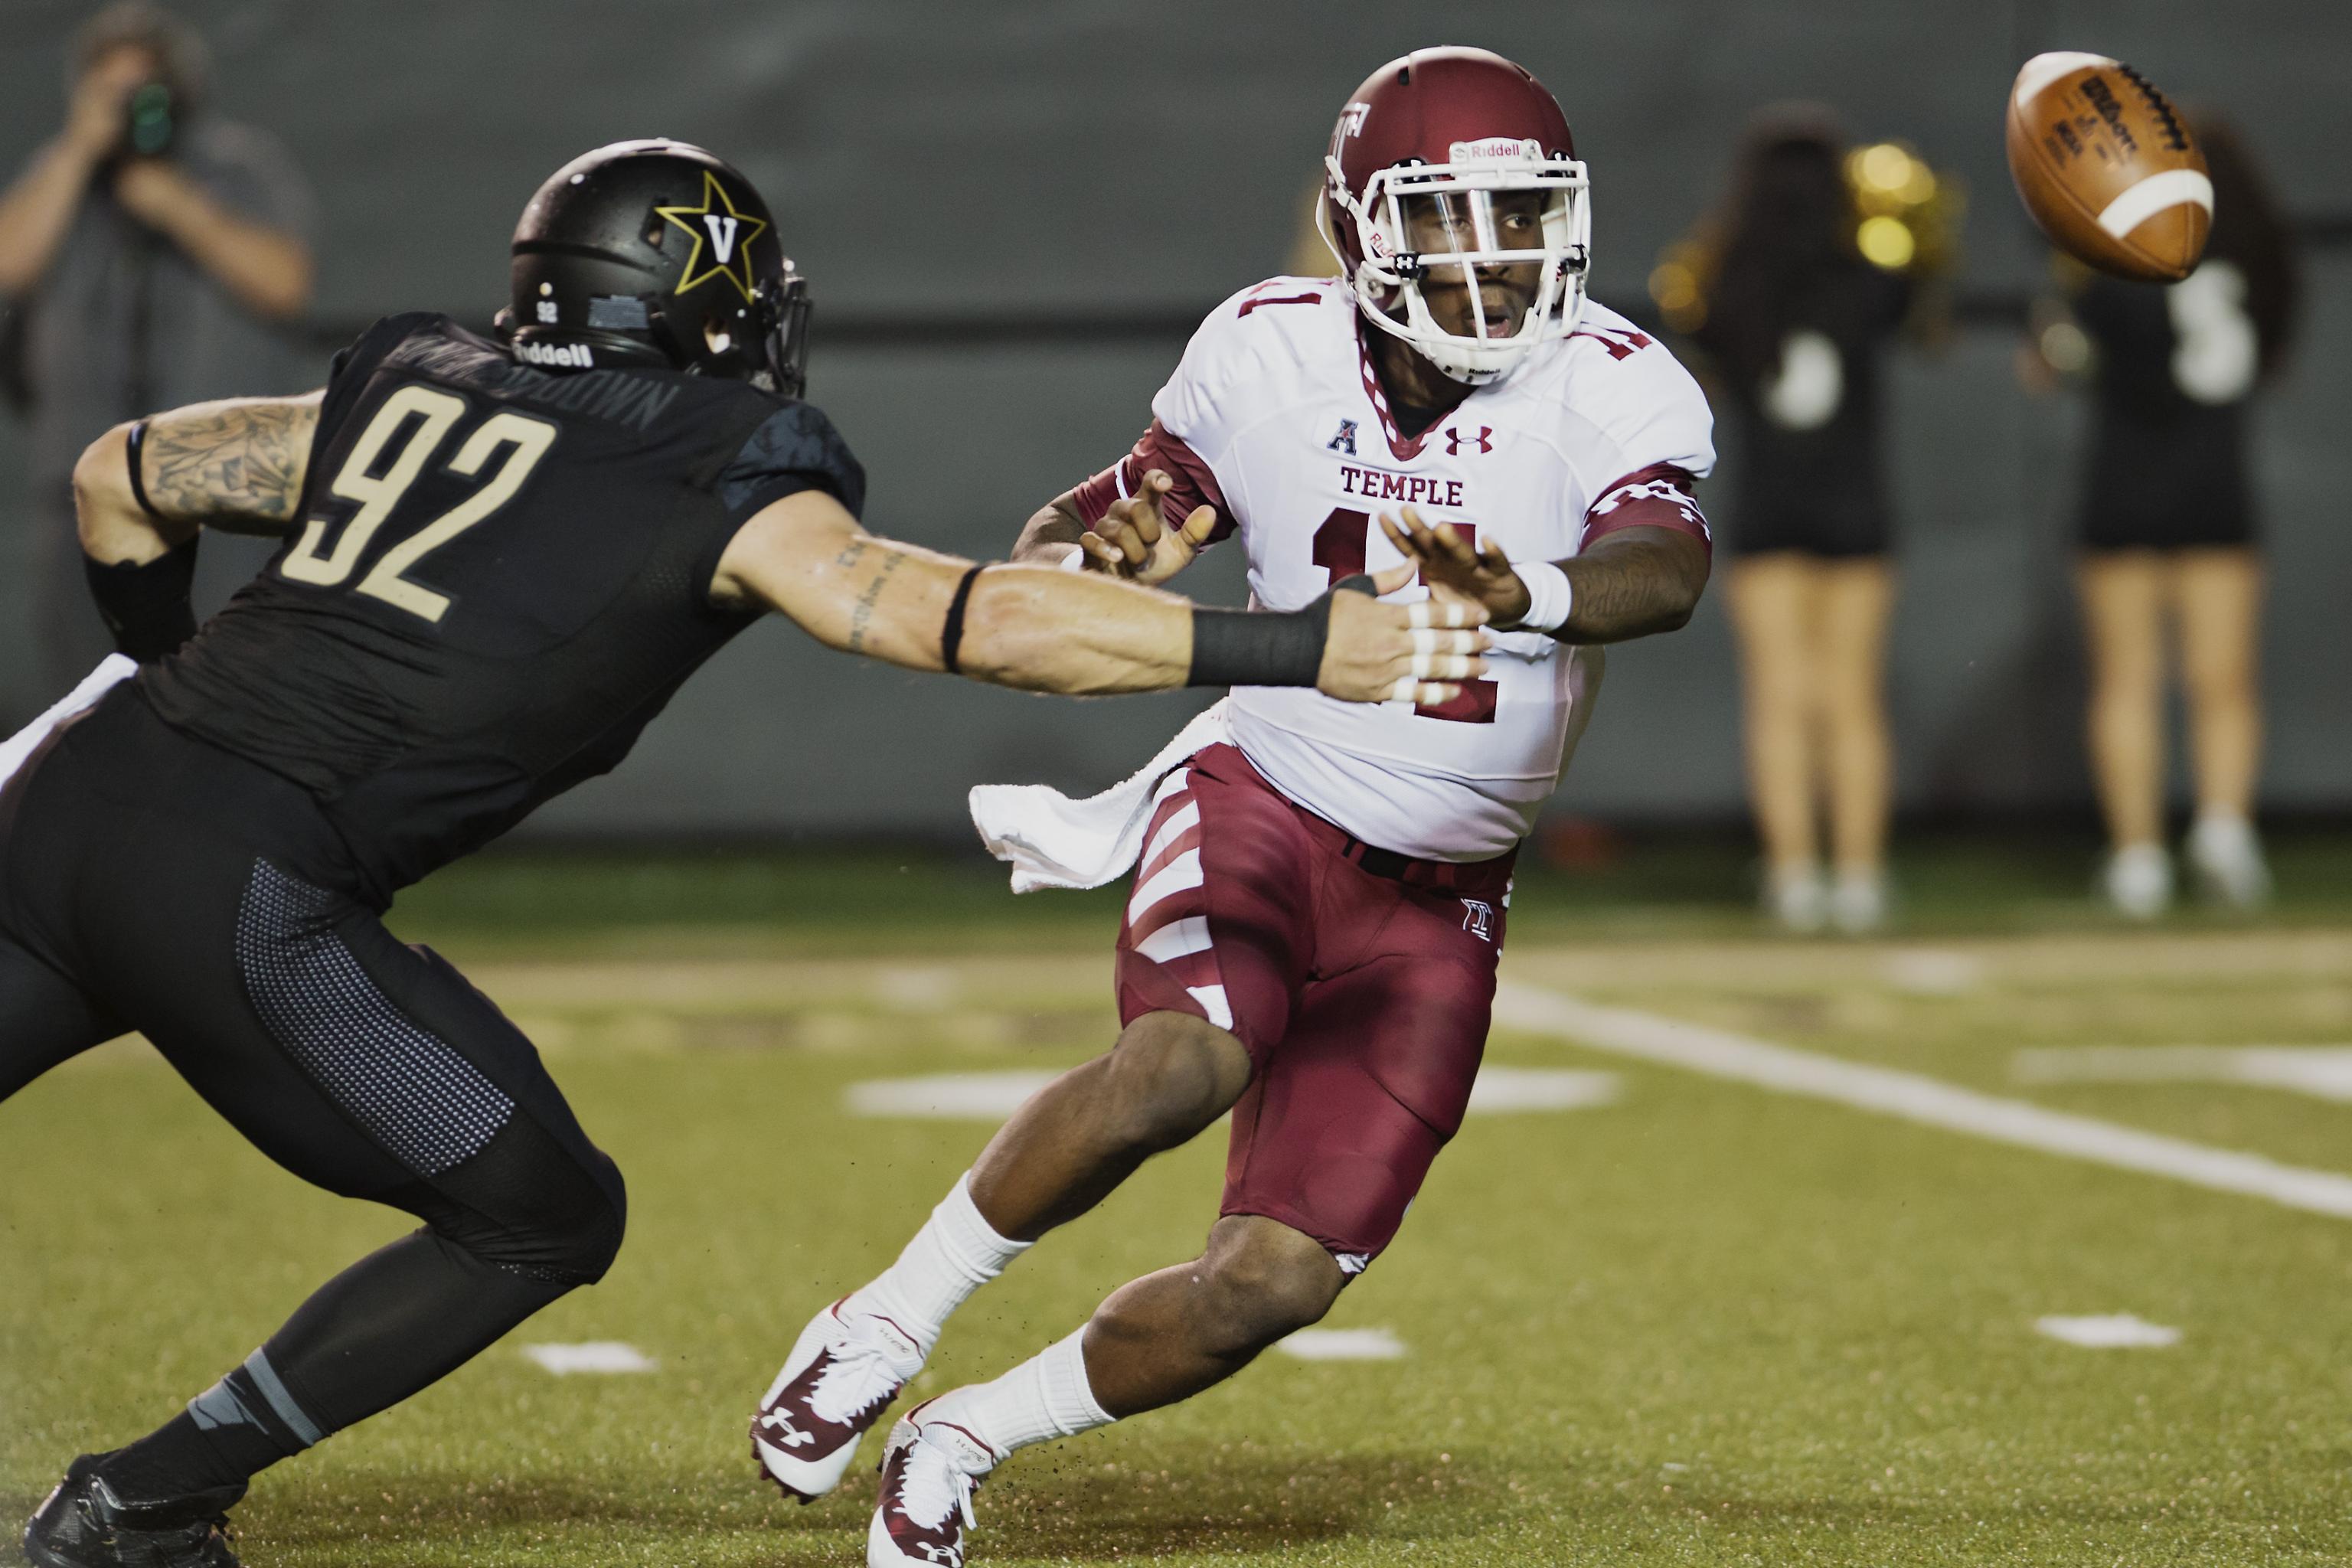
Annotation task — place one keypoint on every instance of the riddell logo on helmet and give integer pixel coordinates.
(570, 356)
(1494, 147)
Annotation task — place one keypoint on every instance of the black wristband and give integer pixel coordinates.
(952, 634)
(1264, 647)
(145, 606)
(134, 443)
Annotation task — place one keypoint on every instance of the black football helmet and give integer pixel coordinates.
(656, 253)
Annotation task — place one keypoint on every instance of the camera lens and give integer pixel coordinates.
(150, 119)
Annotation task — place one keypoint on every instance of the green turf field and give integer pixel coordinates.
(1705, 1322)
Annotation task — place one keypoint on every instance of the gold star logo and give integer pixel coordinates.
(721, 234)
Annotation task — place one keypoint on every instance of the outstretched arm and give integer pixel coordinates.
(236, 466)
(1631, 583)
(1043, 629)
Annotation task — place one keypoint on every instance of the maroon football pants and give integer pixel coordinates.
(1359, 980)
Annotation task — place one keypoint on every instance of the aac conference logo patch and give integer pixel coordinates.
(722, 238)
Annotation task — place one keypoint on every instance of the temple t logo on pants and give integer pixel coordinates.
(1478, 919)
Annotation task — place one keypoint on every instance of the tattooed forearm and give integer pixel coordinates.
(863, 616)
(1634, 582)
(235, 465)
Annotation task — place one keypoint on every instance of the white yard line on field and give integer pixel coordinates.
(1889, 1092)
(1342, 1344)
(2324, 1072)
(948, 1096)
(596, 1355)
(2116, 1331)
(993, 1096)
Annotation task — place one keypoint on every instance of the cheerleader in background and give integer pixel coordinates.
(1793, 298)
(2170, 569)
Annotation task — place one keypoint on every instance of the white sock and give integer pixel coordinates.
(1045, 1397)
(954, 1254)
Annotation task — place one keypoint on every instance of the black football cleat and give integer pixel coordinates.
(85, 1525)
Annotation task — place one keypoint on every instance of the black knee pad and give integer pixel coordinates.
(532, 1205)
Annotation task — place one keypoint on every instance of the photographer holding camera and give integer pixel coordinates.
(147, 253)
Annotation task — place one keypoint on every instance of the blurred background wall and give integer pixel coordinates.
(1013, 214)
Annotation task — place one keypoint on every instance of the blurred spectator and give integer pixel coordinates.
(1793, 299)
(2167, 526)
(144, 252)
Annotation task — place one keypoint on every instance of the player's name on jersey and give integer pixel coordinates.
(1413, 490)
(636, 401)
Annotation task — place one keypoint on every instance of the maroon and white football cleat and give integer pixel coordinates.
(841, 1374)
(929, 1470)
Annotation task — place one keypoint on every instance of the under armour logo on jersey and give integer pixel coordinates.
(1455, 439)
(1478, 919)
(1345, 441)
(722, 238)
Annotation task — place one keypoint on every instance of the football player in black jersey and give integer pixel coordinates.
(502, 556)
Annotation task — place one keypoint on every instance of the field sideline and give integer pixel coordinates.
(1693, 1320)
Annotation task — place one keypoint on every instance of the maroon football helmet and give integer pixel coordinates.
(1462, 149)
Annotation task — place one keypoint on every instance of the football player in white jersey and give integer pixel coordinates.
(1320, 901)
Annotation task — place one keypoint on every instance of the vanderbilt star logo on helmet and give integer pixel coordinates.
(722, 238)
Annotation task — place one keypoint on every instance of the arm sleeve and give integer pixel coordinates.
(1193, 422)
(1195, 481)
(1662, 439)
(1660, 496)
(795, 448)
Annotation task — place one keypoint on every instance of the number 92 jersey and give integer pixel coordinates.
(498, 576)
(1275, 417)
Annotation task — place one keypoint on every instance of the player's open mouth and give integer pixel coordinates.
(1502, 317)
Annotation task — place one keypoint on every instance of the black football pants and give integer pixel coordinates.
(151, 882)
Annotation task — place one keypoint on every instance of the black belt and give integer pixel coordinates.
(1379, 862)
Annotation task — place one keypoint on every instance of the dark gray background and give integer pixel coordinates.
(936, 165)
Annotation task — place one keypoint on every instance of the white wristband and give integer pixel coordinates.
(1550, 596)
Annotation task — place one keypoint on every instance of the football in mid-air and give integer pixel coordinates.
(2107, 168)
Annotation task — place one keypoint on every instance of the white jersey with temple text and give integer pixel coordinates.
(1275, 417)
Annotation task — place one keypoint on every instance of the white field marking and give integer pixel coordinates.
(2117, 1331)
(1723, 1053)
(596, 1355)
(1934, 970)
(993, 1096)
(947, 1096)
(910, 989)
(2324, 1072)
(1542, 1088)
(1342, 1344)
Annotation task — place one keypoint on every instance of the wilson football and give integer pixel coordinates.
(2106, 167)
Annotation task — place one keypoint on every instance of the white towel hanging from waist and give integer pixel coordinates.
(1053, 841)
